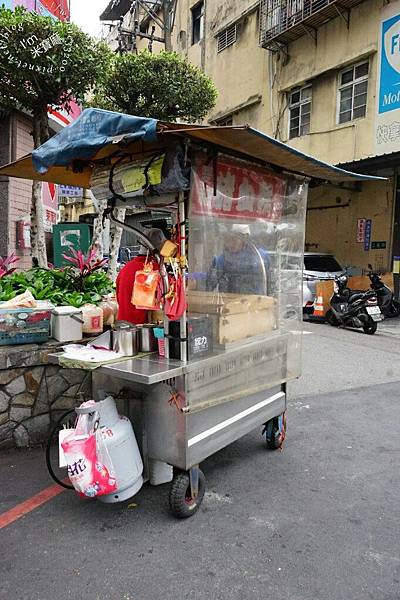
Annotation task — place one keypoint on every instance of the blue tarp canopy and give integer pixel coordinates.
(100, 135)
(92, 130)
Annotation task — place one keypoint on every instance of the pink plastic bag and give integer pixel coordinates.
(88, 461)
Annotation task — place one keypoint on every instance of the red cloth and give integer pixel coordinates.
(125, 280)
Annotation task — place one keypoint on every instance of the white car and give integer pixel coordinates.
(318, 266)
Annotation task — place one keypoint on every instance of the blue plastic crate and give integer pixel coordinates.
(24, 325)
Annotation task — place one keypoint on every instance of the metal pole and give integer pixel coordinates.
(183, 321)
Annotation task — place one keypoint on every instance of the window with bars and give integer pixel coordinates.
(197, 22)
(227, 37)
(300, 111)
(353, 91)
(226, 121)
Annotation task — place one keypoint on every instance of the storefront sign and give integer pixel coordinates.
(50, 205)
(378, 245)
(242, 192)
(70, 191)
(367, 239)
(360, 236)
(387, 126)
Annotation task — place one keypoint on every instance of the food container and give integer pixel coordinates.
(25, 325)
(110, 311)
(147, 339)
(92, 319)
(124, 339)
(66, 324)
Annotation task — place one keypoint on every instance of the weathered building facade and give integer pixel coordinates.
(305, 72)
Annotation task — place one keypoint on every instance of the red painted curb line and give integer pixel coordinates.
(28, 505)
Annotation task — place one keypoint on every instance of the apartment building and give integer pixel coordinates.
(320, 75)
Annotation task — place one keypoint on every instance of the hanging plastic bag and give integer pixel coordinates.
(89, 465)
(175, 300)
(145, 288)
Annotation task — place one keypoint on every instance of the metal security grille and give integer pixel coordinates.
(227, 37)
(282, 21)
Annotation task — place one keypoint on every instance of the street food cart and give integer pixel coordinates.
(236, 201)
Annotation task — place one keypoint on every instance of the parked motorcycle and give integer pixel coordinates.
(389, 306)
(353, 309)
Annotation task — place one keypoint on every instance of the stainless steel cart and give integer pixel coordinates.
(237, 201)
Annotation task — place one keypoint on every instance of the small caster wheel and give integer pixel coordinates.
(180, 496)
(275, 432)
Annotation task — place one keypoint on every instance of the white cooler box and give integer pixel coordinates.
(66, 324)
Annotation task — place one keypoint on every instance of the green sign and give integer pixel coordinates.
(378, 245)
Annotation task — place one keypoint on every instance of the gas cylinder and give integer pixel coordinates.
(118, 434)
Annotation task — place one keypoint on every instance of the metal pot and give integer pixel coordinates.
(147, 339)
(124, 338)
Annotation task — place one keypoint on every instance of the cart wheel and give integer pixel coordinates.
(180, 498)
(59, 475)
(275, 432)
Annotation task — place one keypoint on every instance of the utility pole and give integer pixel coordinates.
(166, 7)
(160, 12)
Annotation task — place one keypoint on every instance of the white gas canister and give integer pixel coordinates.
(118, 434)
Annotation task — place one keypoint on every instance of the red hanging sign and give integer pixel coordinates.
(242, 191)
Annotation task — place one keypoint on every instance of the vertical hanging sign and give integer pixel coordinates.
(360, 236)
(367, 238)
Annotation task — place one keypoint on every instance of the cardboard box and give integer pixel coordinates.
(235, 317)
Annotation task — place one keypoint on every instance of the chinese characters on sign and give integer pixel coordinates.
(387, 126)
(367, 239)
(378, 245)
(360, 230)
(241, 193)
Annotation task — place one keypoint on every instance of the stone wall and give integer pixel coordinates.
(34, 393)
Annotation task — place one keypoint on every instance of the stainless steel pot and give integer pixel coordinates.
(124, 338)
(147, 339)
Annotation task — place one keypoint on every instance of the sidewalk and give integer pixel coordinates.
(390, 327)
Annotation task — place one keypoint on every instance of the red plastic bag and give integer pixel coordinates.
(175, 301)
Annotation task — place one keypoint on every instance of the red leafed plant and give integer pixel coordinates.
(85, 264)
(6, 264)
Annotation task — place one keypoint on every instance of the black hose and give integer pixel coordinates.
(48, 448)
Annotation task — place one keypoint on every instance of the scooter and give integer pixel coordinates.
(353, 309)
(389, 306)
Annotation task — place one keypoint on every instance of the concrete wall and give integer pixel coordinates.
(332, 222)
(319, 63)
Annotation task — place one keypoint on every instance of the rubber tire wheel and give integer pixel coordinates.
(370, 327)
(180, 502)
(330, 318)
(53, 433)
(394, 310)
(277, 442)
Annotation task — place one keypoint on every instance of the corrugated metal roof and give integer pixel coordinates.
(242, 141)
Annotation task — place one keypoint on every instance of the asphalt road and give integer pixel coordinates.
(318, 521)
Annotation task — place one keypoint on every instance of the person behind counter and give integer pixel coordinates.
(238, 270)
(126, 278)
